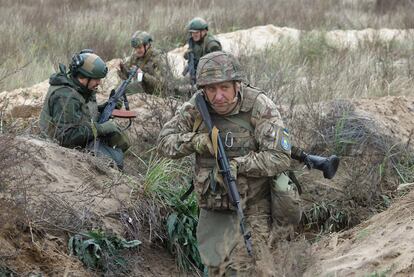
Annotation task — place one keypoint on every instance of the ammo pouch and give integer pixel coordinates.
(213, 195)
(285, 200)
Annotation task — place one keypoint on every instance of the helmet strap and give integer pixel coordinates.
(145, 48)
(87, 83)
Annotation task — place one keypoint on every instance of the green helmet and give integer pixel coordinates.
(88, 64)
(140, 38)
(197, 24)
(217, 67)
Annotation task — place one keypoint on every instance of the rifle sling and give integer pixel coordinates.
(197, 123)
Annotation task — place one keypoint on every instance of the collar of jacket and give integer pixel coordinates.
(84, 91)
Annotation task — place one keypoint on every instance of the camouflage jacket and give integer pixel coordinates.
(153, 65)
(207, 45)
(68, 112)
(254, 136)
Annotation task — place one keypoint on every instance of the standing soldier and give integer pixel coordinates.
(70, 111)
(258, 148)
(150, 63)
(200, 43)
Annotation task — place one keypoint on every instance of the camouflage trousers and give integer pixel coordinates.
(222, 247)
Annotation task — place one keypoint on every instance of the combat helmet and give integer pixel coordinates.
(197, 24)
(217, 67)
(88, 64)
(140, 38)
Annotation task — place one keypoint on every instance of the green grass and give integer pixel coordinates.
(167, 180)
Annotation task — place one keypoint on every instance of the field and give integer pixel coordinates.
(355, 102)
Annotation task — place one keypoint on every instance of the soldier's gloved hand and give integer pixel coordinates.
(106, 128)
(119, 140)
(202, 143)
(218, 177)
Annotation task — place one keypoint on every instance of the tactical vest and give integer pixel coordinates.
(203, 48)
(237, 134)
(50, 127)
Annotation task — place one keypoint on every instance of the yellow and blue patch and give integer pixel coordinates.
(284, 142)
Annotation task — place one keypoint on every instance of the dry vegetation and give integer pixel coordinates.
(36, 35)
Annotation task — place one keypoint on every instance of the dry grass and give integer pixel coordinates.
(37, 35)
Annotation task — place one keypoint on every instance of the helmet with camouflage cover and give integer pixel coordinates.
(197, 24)
(140, 38)
(89, 65)
(217, 67)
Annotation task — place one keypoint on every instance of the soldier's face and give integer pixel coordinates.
(92, 84)
(197, 36)
(222, 96)
(140, 50)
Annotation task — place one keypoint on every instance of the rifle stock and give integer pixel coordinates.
(328, 166)
(224, 165)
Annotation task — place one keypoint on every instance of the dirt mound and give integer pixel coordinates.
(380, 246)
(57, 192)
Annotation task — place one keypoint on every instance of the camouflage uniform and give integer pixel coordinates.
(69, 115)
(255, 138)
(153, 65)
(200, 48)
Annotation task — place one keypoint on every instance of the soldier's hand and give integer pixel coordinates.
(233, 170)
(202, 143)
(106, 128)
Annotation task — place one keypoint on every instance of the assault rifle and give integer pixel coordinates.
(328, 166)
(119, 94)
(191, 64)
(224, 167)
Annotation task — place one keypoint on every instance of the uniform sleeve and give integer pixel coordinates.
(66, 112)
(174, 140)
(273, 155)
(155, 80)
(213, 45)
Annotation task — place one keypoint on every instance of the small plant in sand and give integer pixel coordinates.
(98, 250)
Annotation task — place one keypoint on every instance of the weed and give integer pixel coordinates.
(167, 180)
(326, 217)
(98, 250)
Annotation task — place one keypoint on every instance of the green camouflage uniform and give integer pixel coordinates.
(255, 137)
(153, 64)
(68, 116)
(206, 45)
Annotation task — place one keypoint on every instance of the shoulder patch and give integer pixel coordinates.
(284, 143)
